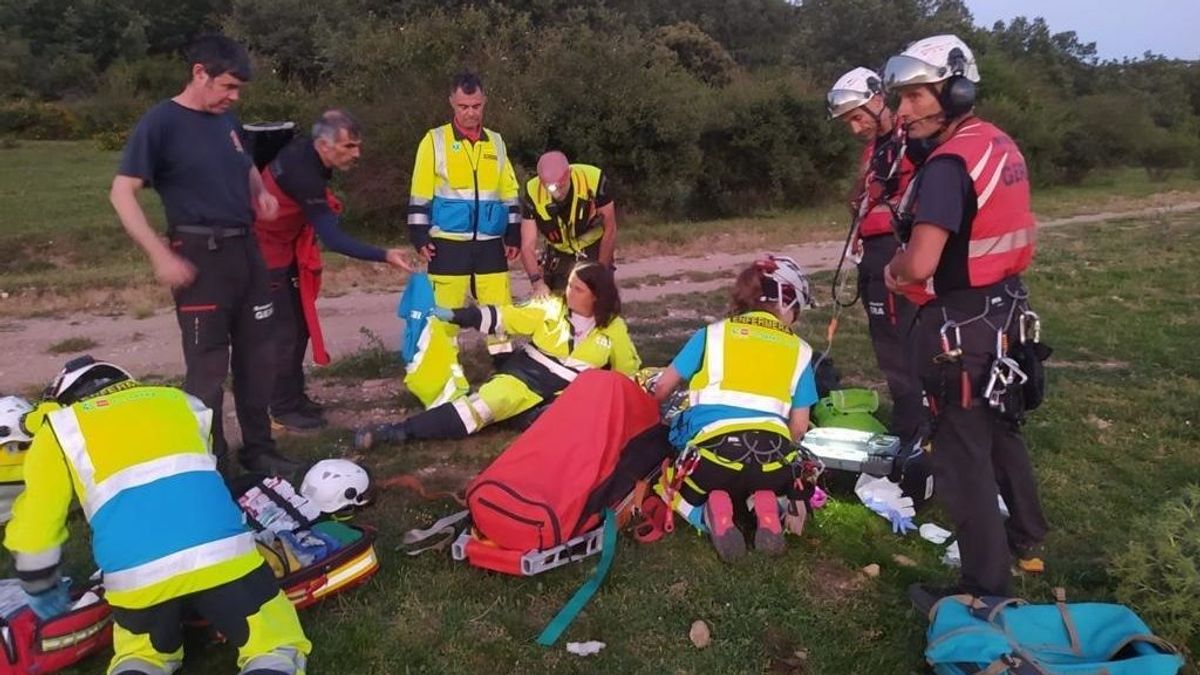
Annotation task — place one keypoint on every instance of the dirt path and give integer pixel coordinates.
(151, 345)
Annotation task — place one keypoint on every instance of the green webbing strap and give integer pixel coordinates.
(575, 605)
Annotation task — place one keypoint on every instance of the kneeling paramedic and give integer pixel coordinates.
(18, 421)
(567, 335)
(299, 177)
(165, 531)
(570, 205)
(967, 225)
(750, 386)
(857, 99)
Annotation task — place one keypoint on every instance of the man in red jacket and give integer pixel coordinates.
(967, 225)
(308, 211)
(857, 99)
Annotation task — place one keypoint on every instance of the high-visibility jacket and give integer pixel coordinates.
(139, 460)
(432, 371)
(554, 358)
(878, 220)
(1004, 231)
(12, 460)
(12, 463)
(578, 227)
(751, 367)
(463, 190)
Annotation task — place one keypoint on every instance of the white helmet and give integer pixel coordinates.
(14, 437)
(852, 91)
(84, 376)
(931, 60)
(336, 484)
(941, 58)
(784, 282)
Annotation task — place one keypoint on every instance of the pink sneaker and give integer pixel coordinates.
(718, 517)
(768, 538)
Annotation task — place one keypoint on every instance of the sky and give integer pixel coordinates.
(1118, 27)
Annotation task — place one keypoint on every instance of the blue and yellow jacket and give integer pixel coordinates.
(463, 191)
(138, 458)
(744, 373)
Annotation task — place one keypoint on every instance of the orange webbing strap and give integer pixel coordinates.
(413, 483)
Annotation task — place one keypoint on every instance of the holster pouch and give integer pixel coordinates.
(1030, 356)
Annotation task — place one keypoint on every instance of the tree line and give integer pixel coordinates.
(694, 109)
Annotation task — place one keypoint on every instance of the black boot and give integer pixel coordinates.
(310, 407)
(369, 436)
(270, 462)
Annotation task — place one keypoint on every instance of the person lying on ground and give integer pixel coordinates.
(750, 385)
(569, 334)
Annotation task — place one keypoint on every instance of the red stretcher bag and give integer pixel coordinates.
(554, 481)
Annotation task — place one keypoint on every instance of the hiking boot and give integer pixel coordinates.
(271, 463)
(1030, 559)
(370, 436)
(726, 537)
(310, 407)
(297, 421)
(768, 537)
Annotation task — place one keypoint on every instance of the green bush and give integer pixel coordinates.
(769, 144)
(1158, 575)
(111, 140)
(1164, 151)
(38, 121)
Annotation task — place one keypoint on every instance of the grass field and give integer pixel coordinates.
(1117, 436)
(66, 251)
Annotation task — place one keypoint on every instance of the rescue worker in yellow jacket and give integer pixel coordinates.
(463, 213)
(165, 530)
(16, 433)
(750, 386)
(570, 205)
(568, 335)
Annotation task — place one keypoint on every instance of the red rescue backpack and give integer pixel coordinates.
(584, 453)
(35, 646)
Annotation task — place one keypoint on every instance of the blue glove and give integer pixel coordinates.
(442, 313)
(900, 524)
(51, 603)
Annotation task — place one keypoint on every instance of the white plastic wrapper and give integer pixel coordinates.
(933, 533)
(585, 648)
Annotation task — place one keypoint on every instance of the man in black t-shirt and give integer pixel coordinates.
(189, 149)
(299, 178)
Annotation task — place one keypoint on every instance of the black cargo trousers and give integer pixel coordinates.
(976, 453)
(225, 318)
(890, 319)
(290, 336)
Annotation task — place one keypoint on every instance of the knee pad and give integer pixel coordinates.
(282, 661)
(136, 666)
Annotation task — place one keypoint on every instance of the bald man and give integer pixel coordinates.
(569, 204)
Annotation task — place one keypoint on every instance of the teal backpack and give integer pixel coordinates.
(1006, 635)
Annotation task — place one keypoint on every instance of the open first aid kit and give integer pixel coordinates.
(312, 556)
